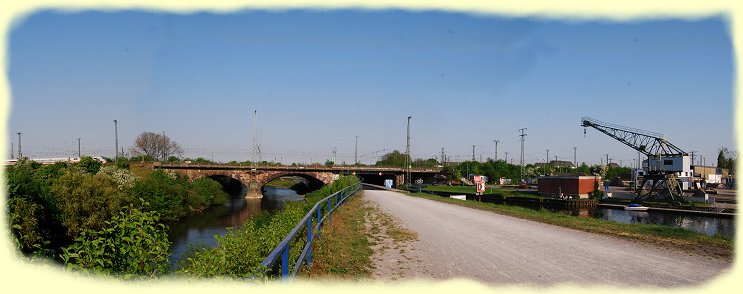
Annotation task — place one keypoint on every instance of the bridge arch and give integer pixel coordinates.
(315, 179)
(232, 185)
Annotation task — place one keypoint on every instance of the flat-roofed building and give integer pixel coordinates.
(580, 186)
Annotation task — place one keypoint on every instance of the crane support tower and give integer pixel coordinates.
(664, 162)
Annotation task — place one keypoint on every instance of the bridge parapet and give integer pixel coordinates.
(292, 168)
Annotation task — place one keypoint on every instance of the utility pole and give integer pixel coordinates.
(575, 157)
(607, 159)
(506, 157)
(255, 137)
(78, 148)
(20, 154)
(407, 158)
(11, 150)
(473, 152)
(692, 157)
(334, 150)
(522, 152)
(442, 156)
(356, 152)
(496, 150)
(548, 157)
(116, 135)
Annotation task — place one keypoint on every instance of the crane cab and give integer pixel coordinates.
(670, 164)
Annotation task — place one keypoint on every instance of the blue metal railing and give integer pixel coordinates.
(281, 251)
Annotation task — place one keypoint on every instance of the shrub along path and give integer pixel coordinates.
(461, 242)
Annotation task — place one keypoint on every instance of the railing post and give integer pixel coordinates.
(319, 213)
(285, 263)
(327, 216)
(309, 241)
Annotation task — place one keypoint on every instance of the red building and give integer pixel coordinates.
(569, 185)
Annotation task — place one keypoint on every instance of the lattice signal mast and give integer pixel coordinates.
(665, 160)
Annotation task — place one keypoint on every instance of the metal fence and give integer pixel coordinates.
(320, 212)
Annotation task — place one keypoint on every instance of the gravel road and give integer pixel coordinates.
(460, 242)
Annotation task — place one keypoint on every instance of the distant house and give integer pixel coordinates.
(554, 163)
(613, 164)
(561, 163)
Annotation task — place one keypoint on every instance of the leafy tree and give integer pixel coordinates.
(132, 244)
(329, 163)
(394, 158)
(726, 159)
(155, 146)
(123, 177)
(86, 201)
(583, 168)
(166, 193)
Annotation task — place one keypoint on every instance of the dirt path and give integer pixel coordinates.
(395, 254)
(459, 242)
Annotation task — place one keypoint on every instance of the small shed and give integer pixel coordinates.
(579, 186)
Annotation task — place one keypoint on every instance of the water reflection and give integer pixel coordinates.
(706, 225)
(200, 229)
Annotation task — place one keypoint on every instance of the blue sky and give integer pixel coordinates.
(320, 78)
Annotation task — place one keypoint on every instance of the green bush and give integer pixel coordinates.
(86, 201)
(166, 194)
(597, 194)
(131, 244)
(24, 221)
(205, 192)
(89, 164)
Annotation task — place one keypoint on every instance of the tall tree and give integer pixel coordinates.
(726, 159)
(394, 158)
(156, 146)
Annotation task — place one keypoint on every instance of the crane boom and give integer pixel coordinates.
(648, 143)
(662, 180)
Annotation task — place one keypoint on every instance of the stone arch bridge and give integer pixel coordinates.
(255, 177)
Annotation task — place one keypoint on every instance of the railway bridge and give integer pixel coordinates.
(256, 176)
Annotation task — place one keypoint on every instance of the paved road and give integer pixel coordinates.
(459, 242)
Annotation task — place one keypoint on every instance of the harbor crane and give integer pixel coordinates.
(664, 162)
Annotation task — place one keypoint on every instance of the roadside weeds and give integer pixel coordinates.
(342, 252)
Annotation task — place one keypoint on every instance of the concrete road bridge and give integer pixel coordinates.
(256, 176)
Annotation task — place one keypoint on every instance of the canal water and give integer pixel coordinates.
(200, 229)
(709, 226)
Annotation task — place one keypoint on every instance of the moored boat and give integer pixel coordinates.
(635, 207)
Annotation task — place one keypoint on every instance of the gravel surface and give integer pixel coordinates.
(460, 242)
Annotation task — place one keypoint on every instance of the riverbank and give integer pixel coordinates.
(661, 236)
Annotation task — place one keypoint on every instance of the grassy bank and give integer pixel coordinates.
(662, 236)
(471, 190)
(343, 250)
(240, 251)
